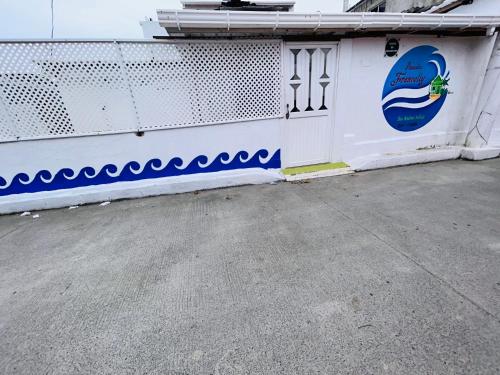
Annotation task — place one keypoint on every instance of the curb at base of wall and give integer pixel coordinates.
(136, 189)
(250, 176)
(423, 156)
(480, 153)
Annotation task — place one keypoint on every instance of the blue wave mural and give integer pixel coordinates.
(422, 77)
(66, 178)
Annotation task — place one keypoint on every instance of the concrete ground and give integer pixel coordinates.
(392, 271)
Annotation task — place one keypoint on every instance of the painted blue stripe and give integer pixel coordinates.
(87, 176)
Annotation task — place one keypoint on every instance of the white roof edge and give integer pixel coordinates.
(210, 2)
(234, 20)
(217, 2)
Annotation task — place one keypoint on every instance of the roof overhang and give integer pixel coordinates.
(219, 2)
(201, 22)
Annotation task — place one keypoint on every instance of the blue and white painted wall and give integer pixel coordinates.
(88, 122)
(68, 171)
(131, 120)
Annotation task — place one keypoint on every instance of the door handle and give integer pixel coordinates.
(287, 115)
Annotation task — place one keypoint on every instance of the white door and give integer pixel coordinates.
(309, 88)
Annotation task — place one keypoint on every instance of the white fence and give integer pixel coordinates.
(54, 89)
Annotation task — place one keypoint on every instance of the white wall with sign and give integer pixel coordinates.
(361, 130)
(83, 122)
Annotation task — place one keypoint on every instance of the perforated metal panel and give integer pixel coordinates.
(69, 89)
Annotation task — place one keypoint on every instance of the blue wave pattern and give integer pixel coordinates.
(416, 69)
(66, 178)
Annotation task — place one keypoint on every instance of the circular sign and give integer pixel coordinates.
(392, 47)
(415, 89)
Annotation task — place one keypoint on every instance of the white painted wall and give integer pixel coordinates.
(487, 115)
(491, 84)
(361, 133)
(361, 130)
(31, 157)
(118, 149)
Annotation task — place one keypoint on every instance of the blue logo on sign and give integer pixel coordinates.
(415, 89)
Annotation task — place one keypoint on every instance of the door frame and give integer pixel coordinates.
(333, 101)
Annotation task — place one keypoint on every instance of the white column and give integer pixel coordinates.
(487, 111)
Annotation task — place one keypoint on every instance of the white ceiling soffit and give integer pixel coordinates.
(238, 21)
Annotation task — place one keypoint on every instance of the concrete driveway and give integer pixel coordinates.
(392, 271)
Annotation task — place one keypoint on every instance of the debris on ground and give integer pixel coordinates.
(25, 213)
(365, 326)
(73, 207)
(36, 216)
(104, 203)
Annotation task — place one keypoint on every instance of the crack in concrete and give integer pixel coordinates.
(13, 230)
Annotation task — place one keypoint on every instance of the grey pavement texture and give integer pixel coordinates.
(392, 271)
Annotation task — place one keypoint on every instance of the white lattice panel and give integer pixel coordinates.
(78, 88)
(204, 82)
